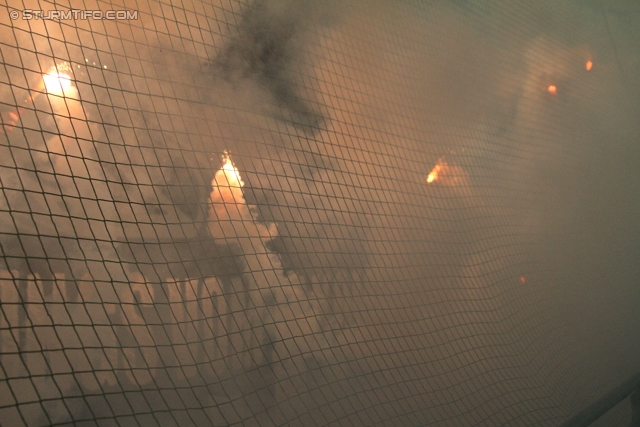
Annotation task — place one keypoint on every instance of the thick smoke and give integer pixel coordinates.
(331, 283)
(265, 48)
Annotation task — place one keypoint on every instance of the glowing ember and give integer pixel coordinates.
(523, 280)
(552, 89)
(588, 65)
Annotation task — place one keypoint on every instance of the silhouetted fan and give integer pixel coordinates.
(182, 259)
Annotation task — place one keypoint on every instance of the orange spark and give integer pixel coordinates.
(552, 89)
(523, 280)
(588, 65)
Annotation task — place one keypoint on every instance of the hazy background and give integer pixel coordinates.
(323, 281)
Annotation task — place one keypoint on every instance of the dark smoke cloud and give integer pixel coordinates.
(266, 47)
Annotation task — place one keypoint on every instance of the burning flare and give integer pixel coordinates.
(266, 286)
(437, 169)
(448, 175)
(57, 83)
(58, 80)
(228, 176)
(230, 217)
(227, 198)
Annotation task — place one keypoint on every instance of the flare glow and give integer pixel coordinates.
(228, 175)
(433, 175)
(226, 195)
(437, 169)
(56, 82)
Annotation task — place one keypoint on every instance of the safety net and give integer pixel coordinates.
(317, 213)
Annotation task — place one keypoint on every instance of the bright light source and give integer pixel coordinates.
(552, 89)
(588, 65)
(433, 175)
(57, 83)
(230, 174)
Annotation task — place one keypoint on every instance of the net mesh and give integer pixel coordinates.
(316, 213)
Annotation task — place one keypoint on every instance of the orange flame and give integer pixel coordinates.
(588, 65)
(227, 183)
(228, 206)
(433, 175)
(552, 89)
